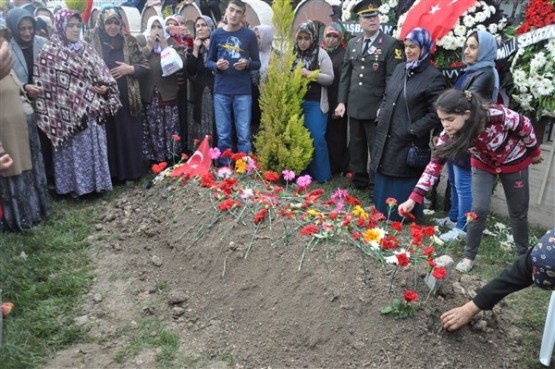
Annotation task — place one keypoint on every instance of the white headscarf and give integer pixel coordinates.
(146, 33)
(265, 49)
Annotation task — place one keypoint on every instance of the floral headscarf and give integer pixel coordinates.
(487, 52)
(422, 38)
(309, 57)
(66, 72)
(337, 29)
(61, 18)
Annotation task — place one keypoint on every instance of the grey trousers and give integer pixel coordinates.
(517, 193)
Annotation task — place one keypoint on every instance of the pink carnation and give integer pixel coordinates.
(288, 175)
(304, 181)
(214, 153)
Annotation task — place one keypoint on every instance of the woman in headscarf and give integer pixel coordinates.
(480, 76)
(25, 46)
(406, 117)
(336, 135)
(24, 194)
(311, 57)
(202, 81)
(126, 62)
(159, 95)
(77, 95)
(176, 28)
(265, 36)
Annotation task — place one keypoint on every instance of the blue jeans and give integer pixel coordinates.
(460, 180)
(241, 105)
(317, 122)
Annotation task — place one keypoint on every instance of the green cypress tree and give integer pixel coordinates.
(283, 142)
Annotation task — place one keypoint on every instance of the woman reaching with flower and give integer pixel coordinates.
(502, 143)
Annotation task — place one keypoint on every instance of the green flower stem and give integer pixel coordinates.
(248, 250)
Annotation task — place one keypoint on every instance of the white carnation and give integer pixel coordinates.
(481, 27)
(545, 87)
(393, 3)
(480, 17)
(492, 28)
(459, 30)
(550, 46)
(492, 9)
(519, 76)
(384, 9)
(538, 62)
(384, 18)
(468, 21)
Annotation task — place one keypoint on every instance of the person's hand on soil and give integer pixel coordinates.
(457, 318)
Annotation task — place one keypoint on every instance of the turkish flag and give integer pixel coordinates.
(198, 164)
(437, 16)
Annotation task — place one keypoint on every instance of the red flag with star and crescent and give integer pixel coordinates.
(198, 164)
(437, 16)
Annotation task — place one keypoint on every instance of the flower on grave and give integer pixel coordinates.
(288, 175)
(410, 296)
(309, 230)
(304, 181)
(184, 157)
(259, 217)
(229, 204)
(224, 172)
(374, 237)
(402, 259)
(439, 273)
(240, 166)
(214, 153)
(159, 167)
(176, 138)
(429, 251)
(391, 202)
(396, 226)
(270, 176)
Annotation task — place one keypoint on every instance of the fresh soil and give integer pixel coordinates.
(155, 262)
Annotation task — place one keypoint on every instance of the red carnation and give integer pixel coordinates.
(439, 273)
(428, 251)
(309, 230)
(410, 296)
(397, 226)
(402, 259)
(271, 176)
(259, 217)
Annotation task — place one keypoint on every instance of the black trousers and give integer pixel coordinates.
(361, 142)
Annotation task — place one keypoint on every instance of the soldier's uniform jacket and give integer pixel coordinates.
(363, 77)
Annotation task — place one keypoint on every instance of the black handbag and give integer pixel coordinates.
(418, 157)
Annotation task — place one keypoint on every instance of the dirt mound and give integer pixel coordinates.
(167, 255)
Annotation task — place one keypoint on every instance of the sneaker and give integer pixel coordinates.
(464, 267)
(445, 222)
(453, 235)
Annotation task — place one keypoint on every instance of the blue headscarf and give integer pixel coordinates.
(487, 52)
(422, 38)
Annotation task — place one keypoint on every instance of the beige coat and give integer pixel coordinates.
(13, 126)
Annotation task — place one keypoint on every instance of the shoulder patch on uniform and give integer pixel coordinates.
(398, 54)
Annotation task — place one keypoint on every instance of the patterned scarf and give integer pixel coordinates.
(334, 28)
(132, 54)
(309, 57)
(422, 38)
(66, 71)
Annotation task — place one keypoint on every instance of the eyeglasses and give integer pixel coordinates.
(332, 35)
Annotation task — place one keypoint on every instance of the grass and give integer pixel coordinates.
(47, 270)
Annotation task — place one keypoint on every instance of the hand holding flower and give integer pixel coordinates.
(406, 207)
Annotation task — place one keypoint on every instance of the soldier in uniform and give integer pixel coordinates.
(369, 62)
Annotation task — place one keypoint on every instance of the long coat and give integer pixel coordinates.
(396, 130)
(20, 65)
(364, 77)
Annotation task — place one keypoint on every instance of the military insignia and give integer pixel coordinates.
(398, 54)
(378, 52)
(375, 67)
(372, 50)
